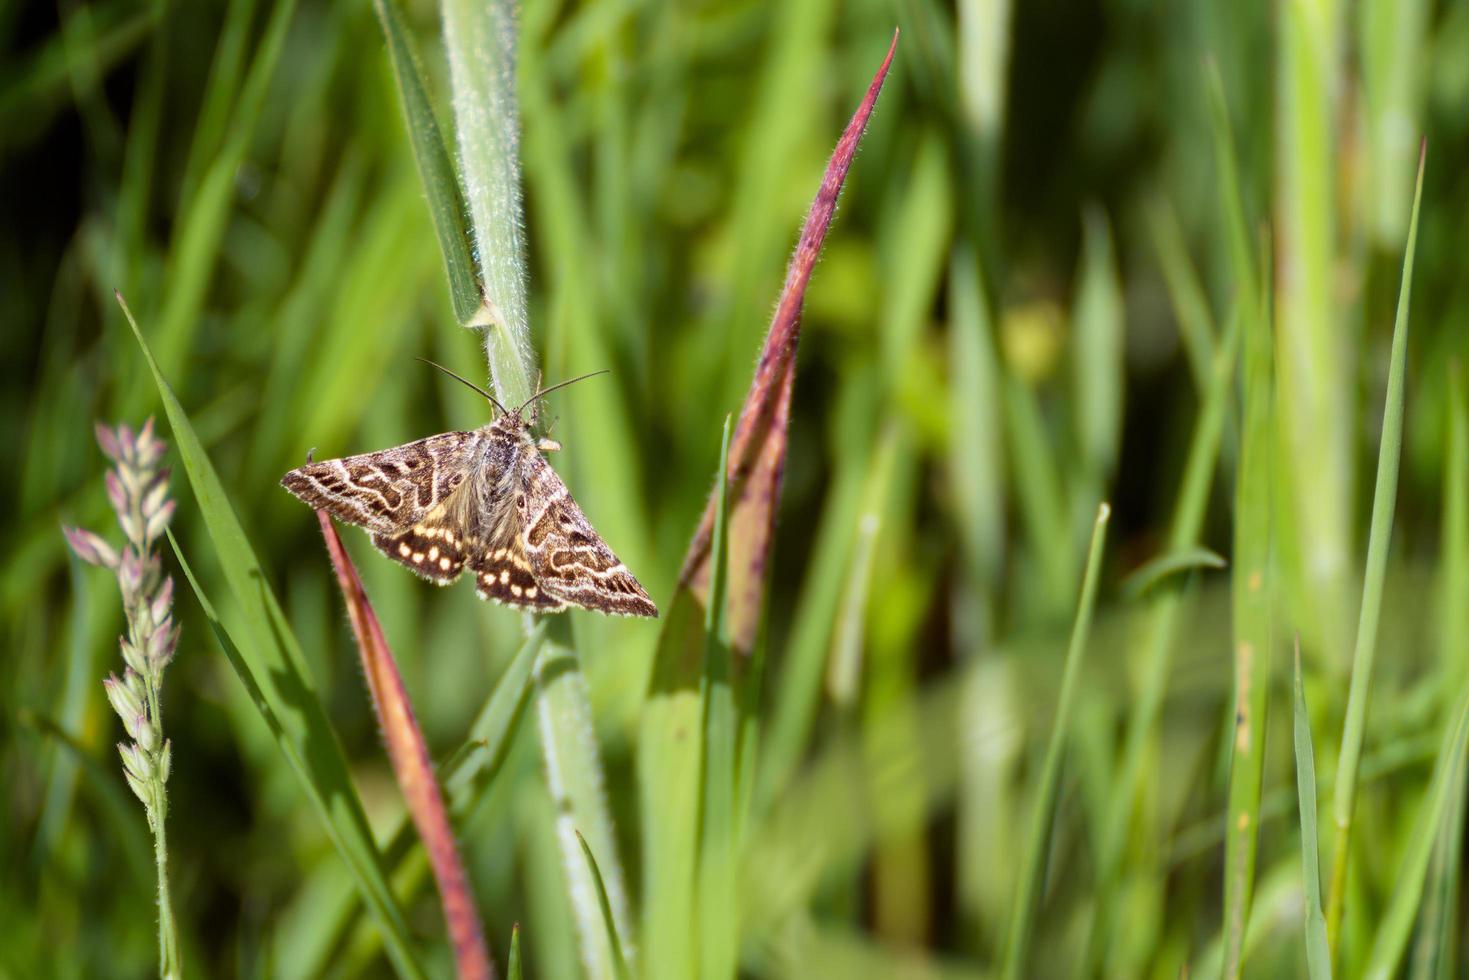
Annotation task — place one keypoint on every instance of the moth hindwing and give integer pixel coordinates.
(485, 500)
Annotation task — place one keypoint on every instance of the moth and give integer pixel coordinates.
(486, 501)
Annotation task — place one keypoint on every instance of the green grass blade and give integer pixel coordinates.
(445, 201)
(269, 661)
(1318, 956)
(1031, 880)
(718, 903)
(480, 39)
(1384, 502)
(1252, 593)
(1186, 294)
(1407, 895)
(577, 784)
(1147, 575)
(512, 969)
(619, 962)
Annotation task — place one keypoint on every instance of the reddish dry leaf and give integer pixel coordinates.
(757, 448)
(412, 765)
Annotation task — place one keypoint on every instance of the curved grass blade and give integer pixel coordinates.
(1384, 501)
(619, 962)
(268, 659)
(445, 199)
(1318, 956)
(412, 765)
(1150, 573)
(1033, 867)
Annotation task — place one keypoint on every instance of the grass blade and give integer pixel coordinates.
(1252, 592)
(512, 970)
(717, 901)
(619, 962)
(757, 450)
(1031, 880)
(1407, 895)
(445, 201)
(577, 785)
(1150, 573)
(480, 40)
(1318, 956)
(269, 661)
(412, 765)
(1384, 502)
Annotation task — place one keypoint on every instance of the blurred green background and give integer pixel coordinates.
(1035, 271)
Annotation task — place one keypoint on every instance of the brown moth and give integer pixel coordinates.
(486, 500)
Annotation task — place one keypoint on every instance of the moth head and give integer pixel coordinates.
(515, 423)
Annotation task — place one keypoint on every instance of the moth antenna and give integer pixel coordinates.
(467, 383)
(560, 384)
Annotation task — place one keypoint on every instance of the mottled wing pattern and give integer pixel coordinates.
(434, 547)
(504, 574)
(567, 558)
(389, 492)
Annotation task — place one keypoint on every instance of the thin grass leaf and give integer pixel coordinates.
(1407, 895)
(758, 448)
(1252, 592)
(717, 901)
(1099, 337)
(619, 962)
(1150, 573)
(268, 659)
(1031, 880)
(1384, 502)
(1318, 955)
(446, 202)
(412, 765)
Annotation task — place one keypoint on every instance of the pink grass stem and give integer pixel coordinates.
(412, 765)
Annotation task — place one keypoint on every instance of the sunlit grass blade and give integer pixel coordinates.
(269, 661)
(1384, 502)
(1030, 883)
(614, 942)
(1318, 957)
(1098, 336)
(1252, 594)
(435, 169)
(578, 788)
(481, 39)
(411, 764)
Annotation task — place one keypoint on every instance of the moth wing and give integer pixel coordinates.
(435, 547)
(389, 492)
(566, 555)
